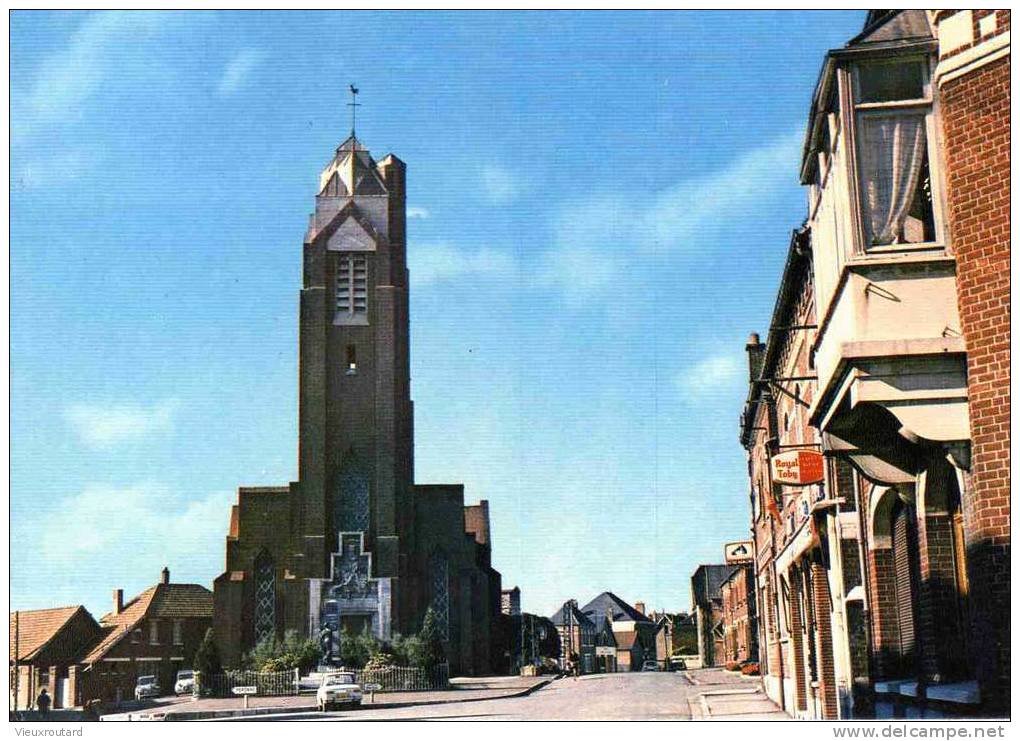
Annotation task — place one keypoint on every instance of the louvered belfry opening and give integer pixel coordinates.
(905, 570)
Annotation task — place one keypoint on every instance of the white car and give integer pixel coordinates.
(148, 686)
(185, 683)
(338, 689)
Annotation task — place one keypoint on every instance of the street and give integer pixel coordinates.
(626, 696)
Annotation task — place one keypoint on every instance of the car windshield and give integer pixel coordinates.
(335, 679)
(146, 680)
(185, 675)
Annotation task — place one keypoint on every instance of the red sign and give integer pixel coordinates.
(797, 467)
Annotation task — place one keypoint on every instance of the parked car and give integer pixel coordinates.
(185, 684)
(677, 664)
(650, 666)
(147, 686)
(338, 689)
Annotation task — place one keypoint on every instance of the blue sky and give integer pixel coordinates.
(600, 205)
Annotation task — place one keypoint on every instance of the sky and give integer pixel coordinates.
(599, 209)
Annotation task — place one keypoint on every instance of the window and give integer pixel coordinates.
(352, 289)
(178, 633)
(136, 635)
(439, 571)
(154, 632)
(893, 102)
(351, 507)
(352, 360)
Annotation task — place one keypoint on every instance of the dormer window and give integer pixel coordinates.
(892, 99)
(352, 289)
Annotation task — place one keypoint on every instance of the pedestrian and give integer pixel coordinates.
(43, 701)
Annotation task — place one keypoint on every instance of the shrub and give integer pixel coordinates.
(270, 655)
(751, 669)
(431, 651)
(732, 666)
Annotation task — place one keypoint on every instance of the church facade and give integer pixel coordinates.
(354, 543)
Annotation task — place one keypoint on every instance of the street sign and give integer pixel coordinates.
(244, 690)
(797, 467)
(739, 552)
(605, 651)
(373, 687)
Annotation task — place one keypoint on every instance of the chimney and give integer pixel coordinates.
(755, 354)
(164, 576)
(118, 601)
(640, 607)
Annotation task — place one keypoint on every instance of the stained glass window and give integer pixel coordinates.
(351, 508)
(265, 597)
(439, 570)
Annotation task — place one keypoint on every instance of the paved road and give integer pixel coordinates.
(637, 696)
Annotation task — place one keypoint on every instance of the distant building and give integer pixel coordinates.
(706, 595)
(577, 636)
(510, 601)
(633, 632)
(740, 635)
(47, 646)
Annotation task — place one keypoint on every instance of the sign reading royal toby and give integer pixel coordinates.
(739, 552)
(797, 467)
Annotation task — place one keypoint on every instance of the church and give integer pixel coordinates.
(354, 542)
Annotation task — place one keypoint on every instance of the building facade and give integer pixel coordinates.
(740, 638)
(46, 648)
(706, 609)
(577, 638)
(155, 633)
(890, 336)
(354, 544)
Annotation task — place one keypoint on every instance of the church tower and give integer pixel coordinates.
(354, 543)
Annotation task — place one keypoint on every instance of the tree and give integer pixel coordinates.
(295, 651)
(207, 658)
(431, 652)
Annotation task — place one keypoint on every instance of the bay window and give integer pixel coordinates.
(892, 101)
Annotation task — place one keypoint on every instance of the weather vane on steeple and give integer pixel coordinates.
(353, 105)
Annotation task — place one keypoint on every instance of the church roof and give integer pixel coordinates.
(36, 628)
(352, 171)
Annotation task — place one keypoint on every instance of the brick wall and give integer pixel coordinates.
(976, 119)
(823, 623)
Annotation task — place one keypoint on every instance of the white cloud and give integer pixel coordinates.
(589, 236)
(435, 262)
(100, 49)
(240, 66)
(710, 376)
(143, 523)
(501, 187)
(103, 427)
(418, 212)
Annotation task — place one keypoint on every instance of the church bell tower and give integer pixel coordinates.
(353, 517)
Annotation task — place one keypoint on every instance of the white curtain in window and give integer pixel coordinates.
(892, 152)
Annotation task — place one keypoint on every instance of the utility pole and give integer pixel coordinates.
(17, 652)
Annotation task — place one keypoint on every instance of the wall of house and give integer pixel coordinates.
(974, 96)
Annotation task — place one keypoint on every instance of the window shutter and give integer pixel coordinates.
(904, 585)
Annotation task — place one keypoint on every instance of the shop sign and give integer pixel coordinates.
(797, 467)
(739, 552)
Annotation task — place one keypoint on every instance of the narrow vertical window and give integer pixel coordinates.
(265, 598)
(352, 359)
(178, 633)
(440, 577)
(154, 632)
(352, 289)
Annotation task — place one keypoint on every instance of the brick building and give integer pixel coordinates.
(901, 562)
(157, 632)
(706, 604)
(973, 87)
(740, 635)
(46, 647)
(355, 543)
(633, 633)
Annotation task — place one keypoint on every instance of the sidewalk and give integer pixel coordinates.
(228, 707)
(728, 696)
